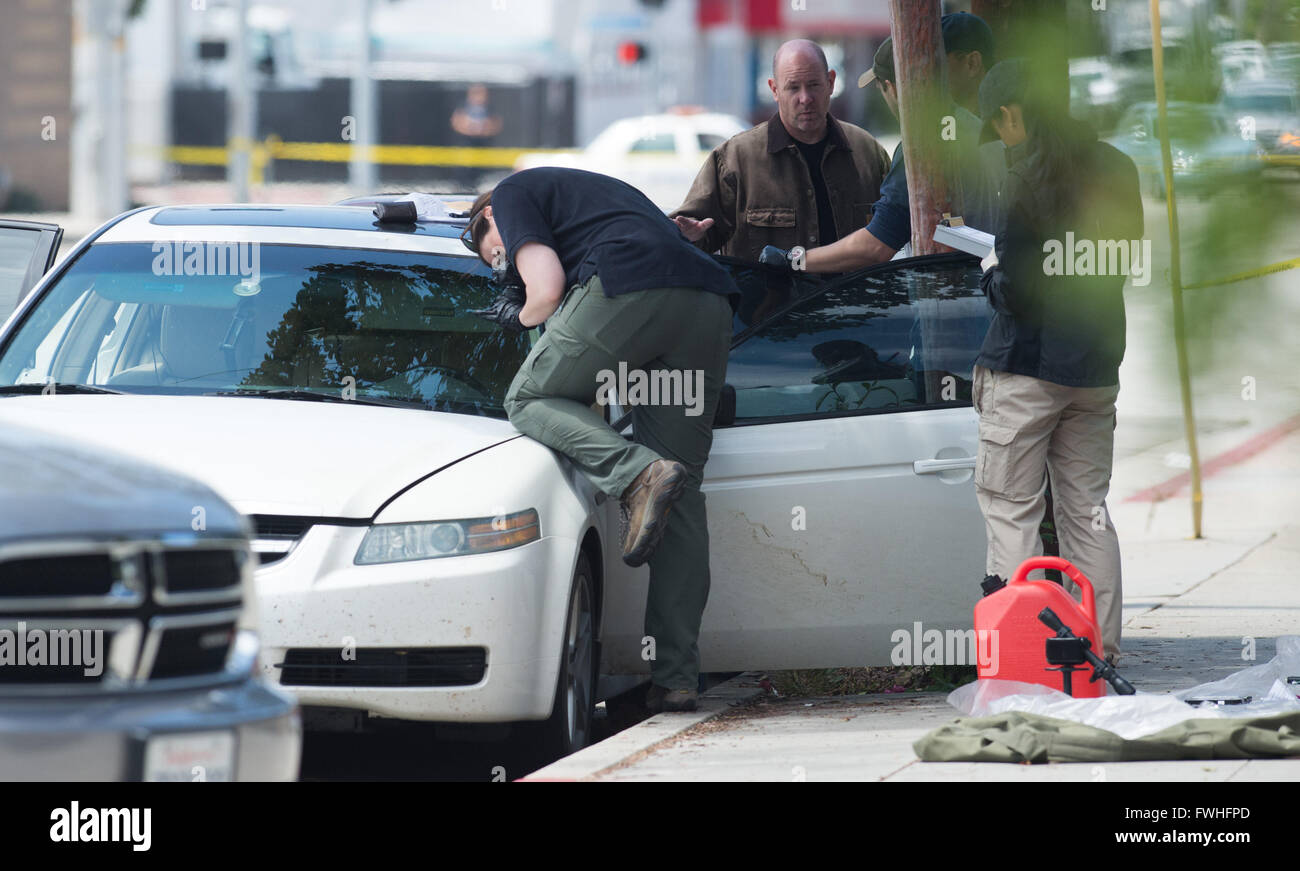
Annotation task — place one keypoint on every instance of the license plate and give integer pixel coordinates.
(191, 756)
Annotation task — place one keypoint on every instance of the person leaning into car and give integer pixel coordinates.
(802, 178)
(640, 295)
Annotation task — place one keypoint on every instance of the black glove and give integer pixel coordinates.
(774, 256)
(508, 285)
(504, 311)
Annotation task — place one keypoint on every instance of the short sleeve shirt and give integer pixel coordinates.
(973, 187)
(599, 225)
(891, 215)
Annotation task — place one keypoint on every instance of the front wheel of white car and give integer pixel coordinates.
(569, 728)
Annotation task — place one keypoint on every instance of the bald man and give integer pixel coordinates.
(802, 178)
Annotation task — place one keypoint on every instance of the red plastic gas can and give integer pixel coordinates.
(1009, 618)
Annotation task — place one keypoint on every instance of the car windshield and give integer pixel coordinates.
(340, 324)
(1277, 103)
(1193, 124)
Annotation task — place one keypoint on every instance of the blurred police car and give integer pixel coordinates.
(658, 154)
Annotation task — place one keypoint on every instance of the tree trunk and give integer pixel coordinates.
(919, 65)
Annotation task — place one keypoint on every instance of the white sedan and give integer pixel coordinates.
(422, 560)
(660, 155)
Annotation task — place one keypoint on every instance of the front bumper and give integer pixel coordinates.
(104, 738)
(510, 604)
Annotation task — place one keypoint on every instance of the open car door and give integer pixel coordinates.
(840, 499)
(27, 251)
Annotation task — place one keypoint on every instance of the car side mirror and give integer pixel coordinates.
(725, 413)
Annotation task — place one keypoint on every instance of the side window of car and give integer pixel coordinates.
(764, 290)
(710, 141)
(660, 143)
(894, 339)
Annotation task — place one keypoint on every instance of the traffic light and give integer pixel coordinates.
(631, 52)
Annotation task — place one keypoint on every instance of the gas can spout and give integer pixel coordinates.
(1101, 669)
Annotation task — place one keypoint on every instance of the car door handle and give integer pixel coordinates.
(934, 467)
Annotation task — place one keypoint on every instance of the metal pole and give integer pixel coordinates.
(361, 169)
(97, 183)
(239, 125)
(87, 104)
(113, 166)
(920, 65)
(1175, 267)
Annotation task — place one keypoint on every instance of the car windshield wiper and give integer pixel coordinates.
(316, 396)
(53, 387)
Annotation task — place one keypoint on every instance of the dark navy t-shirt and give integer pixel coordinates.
(891, 215)
(600, 225)
(974, 180)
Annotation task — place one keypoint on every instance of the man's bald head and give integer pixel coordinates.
(802, 83)
(802, 48)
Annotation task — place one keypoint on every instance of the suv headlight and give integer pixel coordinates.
(399, 542)
(245, 656)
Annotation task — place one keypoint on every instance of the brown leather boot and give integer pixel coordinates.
(660, 699)
(645, 507)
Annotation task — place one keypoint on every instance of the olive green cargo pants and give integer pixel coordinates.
(664, 330)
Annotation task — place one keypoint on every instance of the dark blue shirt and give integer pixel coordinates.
(601, 226)
(974, 181)
(891, 216)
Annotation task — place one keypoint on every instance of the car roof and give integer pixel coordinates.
(1176, 105)
(1260, 86)
(1090, 64)
(338, 226)
(1239, 45)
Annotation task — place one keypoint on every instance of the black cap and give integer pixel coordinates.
(1003, 86)
(963, 31)
(882, 65)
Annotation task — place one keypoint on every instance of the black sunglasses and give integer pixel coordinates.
(468, 239)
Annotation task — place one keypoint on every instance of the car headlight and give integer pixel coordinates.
(245, 656)
(399, 542)
(1102, 88)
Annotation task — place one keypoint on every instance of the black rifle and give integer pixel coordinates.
(1069, 650)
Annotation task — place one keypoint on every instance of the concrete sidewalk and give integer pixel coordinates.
(1191, 607)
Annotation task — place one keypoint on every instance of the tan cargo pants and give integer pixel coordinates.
(1031, 429)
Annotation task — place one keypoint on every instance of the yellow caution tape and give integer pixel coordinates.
(204, 156)
(1242, 276)
(342, 152)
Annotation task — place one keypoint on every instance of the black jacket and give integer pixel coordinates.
(1064, 328)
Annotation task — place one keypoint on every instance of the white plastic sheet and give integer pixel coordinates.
(1144, 714)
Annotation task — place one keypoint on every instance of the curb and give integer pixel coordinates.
(590, 762)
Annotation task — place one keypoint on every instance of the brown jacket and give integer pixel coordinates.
(757, 189)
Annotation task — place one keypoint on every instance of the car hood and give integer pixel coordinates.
(271, 456)
(55, 487)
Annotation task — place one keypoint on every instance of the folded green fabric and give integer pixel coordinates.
(1021, 737)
